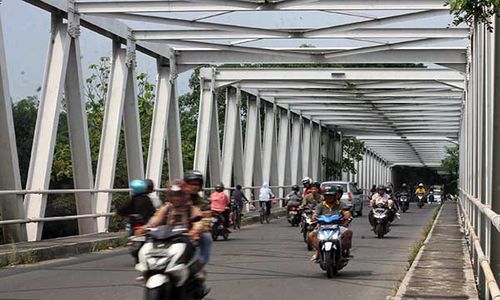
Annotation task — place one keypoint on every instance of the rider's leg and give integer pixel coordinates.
(268, 207)
(205, 246)
(347, 241)
(313, 237)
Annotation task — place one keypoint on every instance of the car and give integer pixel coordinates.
(352, 198)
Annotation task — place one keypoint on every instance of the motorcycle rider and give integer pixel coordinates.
(373, 190)
(193, 183)
(381, 198)
(139, 207)
(294, 199)
(332, 206)
(219, 203)
(306, 182)
(313, 198)
(180, 212)
(420, 189)
(152, 195)
(239, 198)
(265, 198)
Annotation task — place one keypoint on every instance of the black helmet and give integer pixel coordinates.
(193, 176)
(219, 187)
(381, 188)
(296, 188)
(316, 185)
(150, 185)
(339, 189)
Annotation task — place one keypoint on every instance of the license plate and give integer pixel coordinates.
(293, 212)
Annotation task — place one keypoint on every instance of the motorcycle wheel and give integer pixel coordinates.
(154, 294)
(360, 213)
(225, 235)
(331, 269)
(379, 230)
(404, 209)
(214, 235)
(268, 219)
(261, 219)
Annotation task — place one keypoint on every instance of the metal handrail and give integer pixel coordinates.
(491, 214)
(481, 257)
(92, 191)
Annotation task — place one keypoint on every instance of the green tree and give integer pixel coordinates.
(450, 164)
(473, 11)
(352, 150)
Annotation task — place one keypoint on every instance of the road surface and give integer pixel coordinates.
(267, 261)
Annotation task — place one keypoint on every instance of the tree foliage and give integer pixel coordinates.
(473, 11)
(352, 150)
(451, 165)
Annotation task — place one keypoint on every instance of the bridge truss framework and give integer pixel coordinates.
(405, 116)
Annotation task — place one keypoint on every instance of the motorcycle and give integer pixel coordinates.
(330, 245)
(381, 217)
(307, 226)
(218, 228)
(168, 261)
(404, 202)
(420, 200)
(135, 242)
(293, 215)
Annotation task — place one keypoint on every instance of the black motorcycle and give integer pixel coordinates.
(404, 202)
(381, 218)
(420, 200)
(218, 228)
(135, 242)
(307, 226)
(294, 215)
(169, 262)
(235, 215)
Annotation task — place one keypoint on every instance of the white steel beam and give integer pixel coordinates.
(79, 137)
(284, 176)
(108, 152)
(306, 149)
(207, 34)
(46, 126)
(233, 5)
(174, 143)
(11, 206)
(332, 74)
(232, 149)
(270, 147)
(253, 155)
(296, 149)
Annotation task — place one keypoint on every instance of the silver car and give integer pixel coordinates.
(352, 198)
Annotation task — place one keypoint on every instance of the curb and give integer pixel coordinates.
(71, 248)
(404, 284)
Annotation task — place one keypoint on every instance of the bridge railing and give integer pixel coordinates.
(95, 191)
(472, 203)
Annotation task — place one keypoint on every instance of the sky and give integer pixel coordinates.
(26, 33)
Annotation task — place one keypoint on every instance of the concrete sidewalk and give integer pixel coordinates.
(31, 252)
(443, 269)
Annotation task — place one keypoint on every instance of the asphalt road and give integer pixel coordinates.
(267, 261)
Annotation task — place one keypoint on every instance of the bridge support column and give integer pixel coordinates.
(296, 149)
(284, 150)
(165, 127)
(11, 206)
(315, 152)
(253, 153)
(121, 104)
(306, 148)
(232, 154)
(270, 147)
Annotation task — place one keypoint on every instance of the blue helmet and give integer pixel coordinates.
(138, 187)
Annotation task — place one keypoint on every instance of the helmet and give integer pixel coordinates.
(306, 180)
(403, 185)
(176, 195)
(316, 185)
(238, 187)
(381, 188)
(138, 187)
(339, 189)
(192, 176)
(219, 187)
(420, 184)
(295, 187)
(149, 184)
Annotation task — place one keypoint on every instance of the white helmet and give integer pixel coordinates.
(307, 180)
(420, 184)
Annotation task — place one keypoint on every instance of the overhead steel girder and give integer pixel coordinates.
(232, 5)
(107, 27)
(335, 100)
(312, 85)
(331, 74)
(365, 95)
(204, 34)
(199, 56)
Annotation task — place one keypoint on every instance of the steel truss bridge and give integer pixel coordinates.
(406, 116)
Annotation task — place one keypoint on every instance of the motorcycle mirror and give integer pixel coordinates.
(196, 219)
